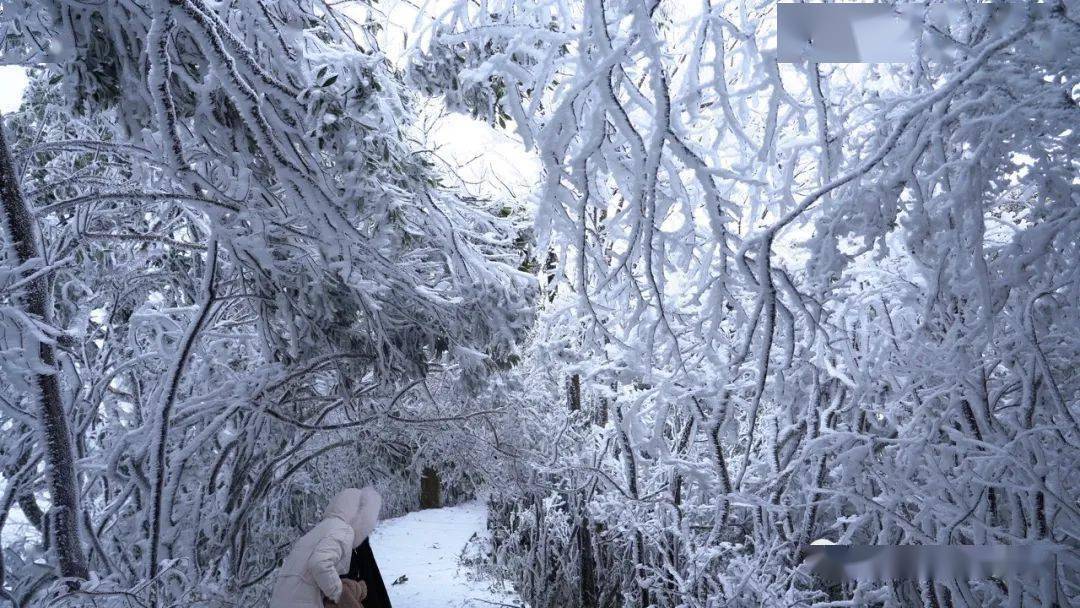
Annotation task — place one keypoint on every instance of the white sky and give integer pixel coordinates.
(12, 84)
(490, 161)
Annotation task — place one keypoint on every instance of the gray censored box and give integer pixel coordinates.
(882, 33)
(843, 33)
(883, 563)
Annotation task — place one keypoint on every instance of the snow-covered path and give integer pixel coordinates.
(426, 548)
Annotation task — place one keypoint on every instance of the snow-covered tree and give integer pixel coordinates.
(249, 266)
(778, 303)
(817, 300)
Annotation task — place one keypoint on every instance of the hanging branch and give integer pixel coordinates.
(159, 465)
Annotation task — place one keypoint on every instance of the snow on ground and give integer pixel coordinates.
(426, 548)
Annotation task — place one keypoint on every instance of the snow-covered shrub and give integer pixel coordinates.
(806, 300)
(259, 291)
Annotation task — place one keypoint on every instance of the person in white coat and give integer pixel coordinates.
(314, 567)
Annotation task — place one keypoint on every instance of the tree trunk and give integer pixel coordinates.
(587, 564)
(60, 475)
(430, 489)
(573, 393)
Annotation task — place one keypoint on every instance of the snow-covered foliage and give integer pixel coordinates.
(799, 301)
(781, 303)
(260, 290)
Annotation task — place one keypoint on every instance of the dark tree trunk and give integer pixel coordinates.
(573, 393)
(29, 507)
(430, 489)
(55, 437)
(587, 573)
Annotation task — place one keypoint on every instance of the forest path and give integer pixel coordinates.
(426, 547)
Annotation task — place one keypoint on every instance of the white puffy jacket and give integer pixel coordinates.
(314, 567)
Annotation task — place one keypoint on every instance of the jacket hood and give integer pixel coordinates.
(343, 505)
(367, 515)
(359, 507)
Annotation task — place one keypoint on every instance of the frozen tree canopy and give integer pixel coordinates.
(746, 306)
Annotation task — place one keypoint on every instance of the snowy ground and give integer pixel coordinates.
(426, 548)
